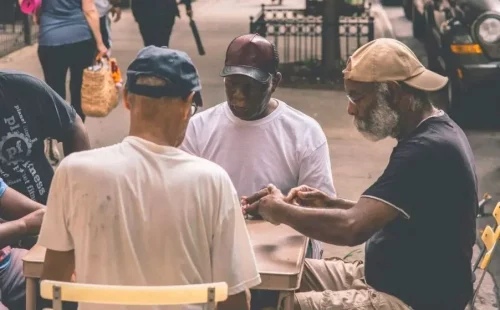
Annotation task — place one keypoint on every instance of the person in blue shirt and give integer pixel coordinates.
(69, 39)
(21, 221)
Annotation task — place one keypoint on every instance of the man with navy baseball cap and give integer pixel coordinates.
(154, 214)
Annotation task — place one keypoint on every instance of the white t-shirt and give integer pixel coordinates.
(137, 213)
(102, 7)
(286, 148)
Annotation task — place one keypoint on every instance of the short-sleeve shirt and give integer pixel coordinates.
(138, 213)
(286, 148)
(30, 112)
(424, 256)
(63, 22)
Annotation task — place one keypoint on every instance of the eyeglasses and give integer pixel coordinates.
(194, 108)
(354, 100)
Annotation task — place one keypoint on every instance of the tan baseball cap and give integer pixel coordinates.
(385, 59)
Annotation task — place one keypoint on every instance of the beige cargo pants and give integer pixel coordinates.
(332, 284)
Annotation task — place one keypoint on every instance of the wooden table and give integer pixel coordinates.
(279, 251)
(32, 269)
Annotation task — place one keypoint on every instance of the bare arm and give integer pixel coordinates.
(27, 215)
(238, 301)
(79, 139)
(92, 17)
(346, 227)
(14, 205)
(58, 266)
(12, 232)
(349, 225)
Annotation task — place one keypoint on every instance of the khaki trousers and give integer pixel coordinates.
(332, 284)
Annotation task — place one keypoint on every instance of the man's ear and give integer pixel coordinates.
(188, 102)
(126, 103)
(276, 80)
(395, 95)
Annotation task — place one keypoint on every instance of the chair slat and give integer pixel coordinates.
(135, 295)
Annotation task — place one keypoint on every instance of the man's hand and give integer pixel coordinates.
(268, 203)
(116, 13)
(33, 222)
(308, 197)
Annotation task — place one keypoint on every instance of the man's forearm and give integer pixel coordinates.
(11, 232)
(339, 203)
(14, 205)
(328, 225)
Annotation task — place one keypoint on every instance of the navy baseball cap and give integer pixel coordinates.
(174, 67)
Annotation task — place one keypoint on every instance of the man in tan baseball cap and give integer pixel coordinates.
(388, 67)
(423, 205)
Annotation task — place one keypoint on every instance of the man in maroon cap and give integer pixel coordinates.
(258, 139)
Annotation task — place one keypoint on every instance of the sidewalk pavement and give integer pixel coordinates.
(356, 162)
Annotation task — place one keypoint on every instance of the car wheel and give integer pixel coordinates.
(418, 24)
(407, 7)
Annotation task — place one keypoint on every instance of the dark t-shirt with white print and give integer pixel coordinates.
(30, 112)
(424, 256)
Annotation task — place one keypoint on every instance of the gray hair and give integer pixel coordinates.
(150, 81)
(419, 99)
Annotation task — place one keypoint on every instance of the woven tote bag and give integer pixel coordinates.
(99, 92)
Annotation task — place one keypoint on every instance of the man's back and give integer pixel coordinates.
(142, 214)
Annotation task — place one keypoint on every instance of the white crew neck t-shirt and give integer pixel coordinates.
(286, 148)
(137, 213)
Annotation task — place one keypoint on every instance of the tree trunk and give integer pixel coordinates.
(330, 35)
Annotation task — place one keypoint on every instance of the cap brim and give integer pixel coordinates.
(427, 81)
(254, 73)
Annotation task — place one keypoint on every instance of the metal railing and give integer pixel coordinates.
(298, 36)
(16, 29)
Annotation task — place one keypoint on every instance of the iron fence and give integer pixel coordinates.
(298, 35)
(16, 29)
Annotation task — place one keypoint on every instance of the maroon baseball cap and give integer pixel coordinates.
(250, 55)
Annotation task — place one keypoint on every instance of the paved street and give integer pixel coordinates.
(356, 162)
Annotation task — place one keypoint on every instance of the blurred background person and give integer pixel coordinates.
(156, 19)
(105, 7)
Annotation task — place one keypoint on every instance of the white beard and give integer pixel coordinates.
(382, 121)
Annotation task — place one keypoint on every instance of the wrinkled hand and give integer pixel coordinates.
(308, 197)
(33, 221)
(267, 203)
(116, 13)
